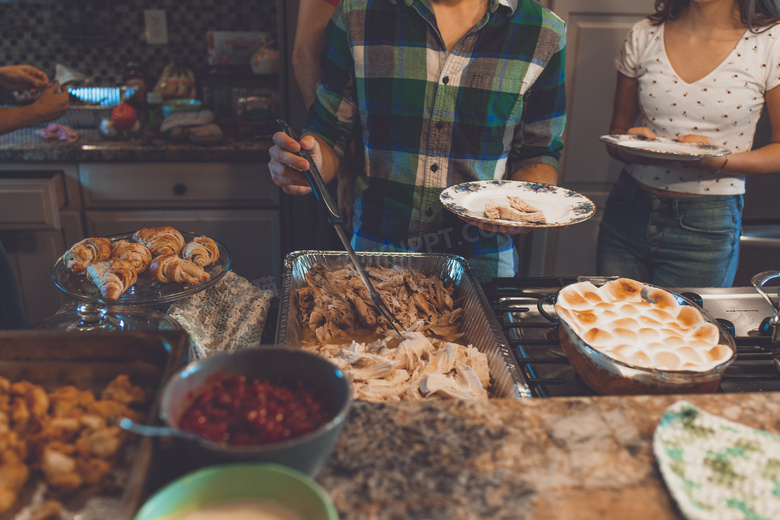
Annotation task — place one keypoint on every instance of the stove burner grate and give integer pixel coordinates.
(524, 308)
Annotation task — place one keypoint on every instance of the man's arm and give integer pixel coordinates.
(538, 143)
(543, 173)
(313, 16)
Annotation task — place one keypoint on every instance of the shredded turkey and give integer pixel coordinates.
(343, 326)
(416, 368)
(334, 305)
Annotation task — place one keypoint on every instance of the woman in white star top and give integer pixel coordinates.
(698, 71)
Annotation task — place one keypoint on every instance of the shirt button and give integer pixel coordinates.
(434, 167)
(429, 212)
(653, 229)
(439, 125)
(445, 79)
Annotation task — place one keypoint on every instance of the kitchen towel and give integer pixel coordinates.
(715, 468)
(227, 316)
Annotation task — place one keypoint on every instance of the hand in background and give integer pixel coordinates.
(643, 131)
(51, 104)
(20, 77)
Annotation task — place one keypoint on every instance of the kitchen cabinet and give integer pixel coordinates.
(47, 207)
(39, 213)
(236, 204)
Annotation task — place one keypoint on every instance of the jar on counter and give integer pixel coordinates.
(154, 104)
(135, 77)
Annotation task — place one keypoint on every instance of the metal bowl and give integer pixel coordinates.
(609, 376)
(307, 453)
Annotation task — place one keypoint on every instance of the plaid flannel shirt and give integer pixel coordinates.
(428, 118)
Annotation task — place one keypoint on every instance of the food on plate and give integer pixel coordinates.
(641, 326)
(63, 437)
(335, 305)
(163, 240)
(123, 116)
(138, 255)
(153, 252)
(85, 252)
(343, 326)
(249, 411)
(416, 368)
(202, 251)
(171, 268)
(518, 210)
(113, 277)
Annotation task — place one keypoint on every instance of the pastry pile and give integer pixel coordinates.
(161, 251)
(641, 326)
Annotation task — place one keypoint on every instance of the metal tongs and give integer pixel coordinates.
(326, 202)
(758, 282)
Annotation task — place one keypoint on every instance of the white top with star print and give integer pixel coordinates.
(724, 105)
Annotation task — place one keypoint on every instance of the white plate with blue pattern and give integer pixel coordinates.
(561, 206)
(664, 148)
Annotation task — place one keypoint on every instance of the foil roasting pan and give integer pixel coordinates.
(480, 326)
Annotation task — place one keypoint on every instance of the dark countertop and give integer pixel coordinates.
(584, 458)
(27, 146)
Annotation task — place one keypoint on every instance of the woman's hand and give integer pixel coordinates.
(51, 104)
(286, 167)
(642, 131)
(693, 138)
(23, 77)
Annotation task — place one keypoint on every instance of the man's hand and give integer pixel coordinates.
(286, 167)
(495, 228)
(22, 77)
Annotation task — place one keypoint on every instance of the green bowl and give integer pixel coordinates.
(213, 485)
(181, 105)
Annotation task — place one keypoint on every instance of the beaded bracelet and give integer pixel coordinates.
(721, 168)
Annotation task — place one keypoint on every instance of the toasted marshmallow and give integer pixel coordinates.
(641, 326)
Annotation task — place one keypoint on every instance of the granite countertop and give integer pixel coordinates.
(584, 458)
(27, 146)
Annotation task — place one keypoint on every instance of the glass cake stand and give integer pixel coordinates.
(94, 312)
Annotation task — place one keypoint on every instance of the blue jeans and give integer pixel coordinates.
(669, 241)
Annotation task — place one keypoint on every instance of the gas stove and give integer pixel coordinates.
(525, 311)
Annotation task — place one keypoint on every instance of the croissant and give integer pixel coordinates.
(163, 240)
(202, 251)
(88, 251)
(113, 277)
(171, 268)
(138, 255)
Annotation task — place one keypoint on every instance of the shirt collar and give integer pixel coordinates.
(492, 4)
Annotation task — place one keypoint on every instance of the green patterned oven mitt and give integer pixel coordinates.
(718, 469)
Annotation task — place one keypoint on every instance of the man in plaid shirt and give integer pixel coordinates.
(440, 92)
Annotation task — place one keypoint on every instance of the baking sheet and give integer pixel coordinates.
(89, 361)
(481, 328)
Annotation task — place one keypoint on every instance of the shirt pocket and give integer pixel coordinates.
(488, 105)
